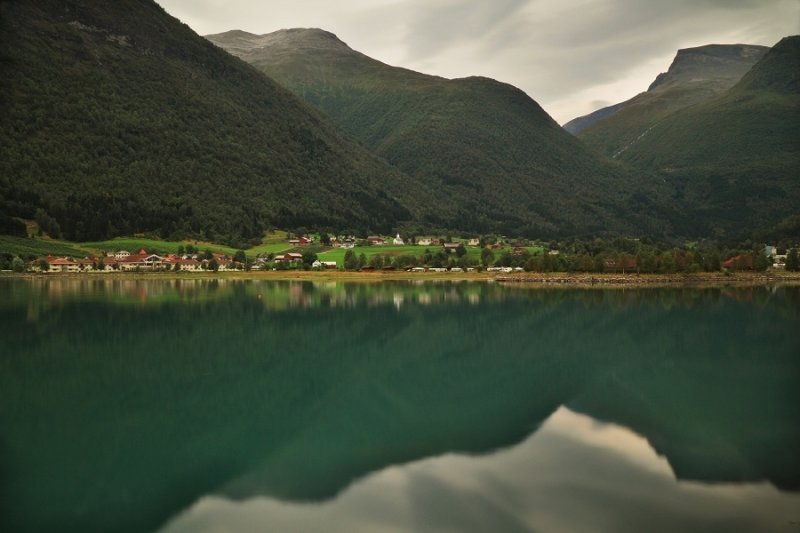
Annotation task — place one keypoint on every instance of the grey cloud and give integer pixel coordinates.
(551, 49)
(437, 26)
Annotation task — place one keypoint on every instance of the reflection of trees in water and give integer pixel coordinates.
(47, 293)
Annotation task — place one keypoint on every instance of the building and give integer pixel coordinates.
(398, 241)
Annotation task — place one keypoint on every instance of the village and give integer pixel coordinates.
(423, 254)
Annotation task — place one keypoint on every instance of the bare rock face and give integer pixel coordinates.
(719, 64)
(694, 75)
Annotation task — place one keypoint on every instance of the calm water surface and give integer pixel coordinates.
(209, 406)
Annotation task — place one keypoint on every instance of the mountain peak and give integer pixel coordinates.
(241, 43)
(710, 63)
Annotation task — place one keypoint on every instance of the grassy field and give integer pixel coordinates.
(134, 244)
(274, 243)
(473, 252)
(268, 248)
(25, 247)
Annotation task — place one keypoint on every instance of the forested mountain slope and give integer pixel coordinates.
(116, 118)
(735, 159)
(503, 162)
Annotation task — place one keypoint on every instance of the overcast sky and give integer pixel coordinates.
(571, 56)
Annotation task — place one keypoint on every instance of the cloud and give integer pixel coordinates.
(563, 54)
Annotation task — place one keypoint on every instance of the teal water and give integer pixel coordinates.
(197, 405)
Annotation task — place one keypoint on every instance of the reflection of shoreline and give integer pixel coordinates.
(604, 280)
(42, 292)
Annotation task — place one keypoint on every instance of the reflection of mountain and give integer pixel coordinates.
(115, 418)
(573, 474)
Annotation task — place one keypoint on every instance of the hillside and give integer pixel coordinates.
(118, 119)
(696, 74)
(501, 161)
(735, 158)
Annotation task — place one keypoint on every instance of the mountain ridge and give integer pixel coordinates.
(734, 158)
(507, 164)
(694, 75)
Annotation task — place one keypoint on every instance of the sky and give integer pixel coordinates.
(571, 56)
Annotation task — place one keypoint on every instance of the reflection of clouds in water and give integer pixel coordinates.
(573, 474)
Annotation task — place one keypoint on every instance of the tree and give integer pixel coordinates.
(240, 256)
(213, 264)
(487, 257)
(760, 262)
(308, 258)
(792, 262)
(325, 239)
(44, 266)
(17, 264)
(460, 250)
(350, 260)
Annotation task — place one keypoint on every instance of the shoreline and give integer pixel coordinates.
(521, 279)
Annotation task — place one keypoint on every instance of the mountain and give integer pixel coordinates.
(696, 74)
(500, 160)
(735, 158)
(116, 118)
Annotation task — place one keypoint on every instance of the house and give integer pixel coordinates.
(398, 241)
(451, 247)
(739, 262)
(304, 240)
(770, 251)
(474, 242)
(182, 263)
(627, 263)
(374, 240)
(121, 254)
(62, 264)
(109, 265)
(142, 261)
(291, 257)
(425, 241)
(326, 265)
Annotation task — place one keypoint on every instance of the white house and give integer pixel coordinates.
(398, 241)
(425, 241)
(323, 264)
(121, 255)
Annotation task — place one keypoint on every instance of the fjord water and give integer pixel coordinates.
(232, 405)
